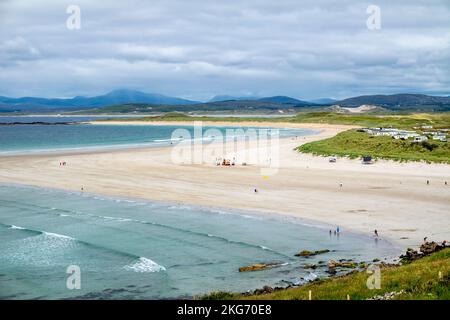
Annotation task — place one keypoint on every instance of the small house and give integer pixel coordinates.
(440, 137)
(420, 139)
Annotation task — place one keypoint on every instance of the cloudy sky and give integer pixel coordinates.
(200, 48)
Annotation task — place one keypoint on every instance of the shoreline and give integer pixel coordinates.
(372, 198)
(269, 215)
(225, 123)
(140, 146)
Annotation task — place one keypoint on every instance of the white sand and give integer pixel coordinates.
(390, 197)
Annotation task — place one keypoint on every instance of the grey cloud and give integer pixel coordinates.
(199, 48)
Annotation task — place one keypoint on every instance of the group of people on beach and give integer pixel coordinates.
(62, 163)
(336, 232)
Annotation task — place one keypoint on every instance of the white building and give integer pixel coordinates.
(392, 132)
(440, 137)
(420, 139)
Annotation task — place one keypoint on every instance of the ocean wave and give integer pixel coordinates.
(57, 235)
(16, 227)
(187, 231)
(310, 277)
(165, 140)
(232, 213)
(175, 228)
(74, 240)
(145, 265)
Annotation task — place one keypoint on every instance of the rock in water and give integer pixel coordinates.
(257, 267)
(346, 264)
(307, 253)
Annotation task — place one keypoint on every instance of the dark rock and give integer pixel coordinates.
(331, 271)
(345, 264)
(431, 247)
(410, 255)
(264, 290)
(307, 253)
(426, 249)
(258, 266)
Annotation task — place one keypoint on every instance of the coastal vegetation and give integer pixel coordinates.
(354, 144)
(401, 121)
(424, 279)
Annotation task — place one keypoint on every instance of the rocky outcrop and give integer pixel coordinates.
(258, 267)
(344, 264)
(307, 253)
(264, 290)
(431, 247)
(425, 249)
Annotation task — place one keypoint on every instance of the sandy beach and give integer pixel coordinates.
(393, 198)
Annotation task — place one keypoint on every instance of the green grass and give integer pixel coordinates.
(177, 116)
(354, 144)
(406, 121)
(419, 280)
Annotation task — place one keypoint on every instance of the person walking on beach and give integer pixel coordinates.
(337, 230)
(376, 233)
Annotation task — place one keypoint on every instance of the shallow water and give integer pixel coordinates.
(43, 138)
(133, 249)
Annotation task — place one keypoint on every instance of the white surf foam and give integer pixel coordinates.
(144, 265)
(310, 277)
(56, 235)
(16, 227)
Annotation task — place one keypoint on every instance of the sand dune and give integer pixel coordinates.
(391, 197)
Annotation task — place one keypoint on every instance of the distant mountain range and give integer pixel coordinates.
(112, 98)
(323, 101)
(135, 101)
(274, 99)
(397, 101)
(228, 106)
(229, 98)
(284, 99)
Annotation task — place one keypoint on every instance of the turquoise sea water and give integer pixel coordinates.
(37, 138)
(133, 249)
